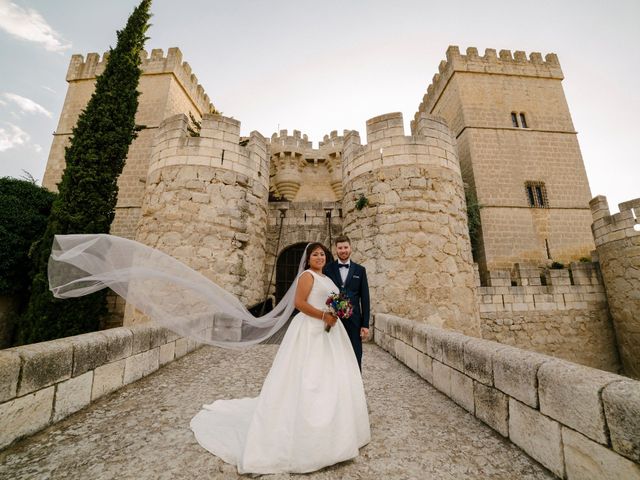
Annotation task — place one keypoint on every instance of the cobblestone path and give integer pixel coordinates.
(142, 431)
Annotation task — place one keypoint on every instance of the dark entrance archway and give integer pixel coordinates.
(287, 267)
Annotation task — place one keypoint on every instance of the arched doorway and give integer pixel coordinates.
(287, 267)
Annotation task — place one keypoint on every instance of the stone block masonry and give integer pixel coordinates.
(617, 239)
(567, 317)
(481, 97)
(43, 383)
(167, 86)
(579, 422)
(413, 234)
(205, 202)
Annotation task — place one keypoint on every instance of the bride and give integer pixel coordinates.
(311, 411)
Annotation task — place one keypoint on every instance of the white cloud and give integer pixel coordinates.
(26, 104)
(48, 89)
(28, 24)
(13, 137)
(37, 148)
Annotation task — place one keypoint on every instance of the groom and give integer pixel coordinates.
(352, 280)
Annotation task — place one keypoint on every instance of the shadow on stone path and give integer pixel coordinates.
(142, 431)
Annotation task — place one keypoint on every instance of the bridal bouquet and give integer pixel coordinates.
(340, 305)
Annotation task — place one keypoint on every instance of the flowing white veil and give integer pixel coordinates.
(166, 290)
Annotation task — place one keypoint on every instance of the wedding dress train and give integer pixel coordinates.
(311, 411)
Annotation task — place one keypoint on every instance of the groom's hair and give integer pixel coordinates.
(342, 239)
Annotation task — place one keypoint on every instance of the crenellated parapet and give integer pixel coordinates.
(288, 159)
(293, 159)
(330, 148)
(152, 64)
(218, 146)
(503, 63)
(608, 228)
(561, 312)
(430, 145)
(617, 239)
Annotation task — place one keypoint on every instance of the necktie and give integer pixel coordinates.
(343, 265)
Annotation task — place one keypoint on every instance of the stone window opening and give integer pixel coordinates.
(536, 194)
(519, 120)
(523, 121)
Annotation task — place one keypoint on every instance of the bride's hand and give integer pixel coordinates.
(330, 319)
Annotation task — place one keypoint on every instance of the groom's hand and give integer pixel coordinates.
(364, 333)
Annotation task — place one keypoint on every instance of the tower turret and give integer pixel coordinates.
(206, 202)
(413, 233)
(288, 160)
(617, 239)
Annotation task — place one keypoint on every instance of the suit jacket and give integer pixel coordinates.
(356, 288)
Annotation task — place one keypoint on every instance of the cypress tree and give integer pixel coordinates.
(88, 190)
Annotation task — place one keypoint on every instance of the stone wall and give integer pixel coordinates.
(42, 383)
(303, 222)
(578, 422)
(206, 202)
(476, 95)
(167, 87)
(617, 240)
(567, 317)
(413, 233)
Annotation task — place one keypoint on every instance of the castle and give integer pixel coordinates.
(240, 209)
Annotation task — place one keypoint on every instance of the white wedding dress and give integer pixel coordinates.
(311, 411)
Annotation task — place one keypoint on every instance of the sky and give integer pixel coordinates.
(318, 66)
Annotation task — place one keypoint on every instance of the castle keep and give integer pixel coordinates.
(240, 209)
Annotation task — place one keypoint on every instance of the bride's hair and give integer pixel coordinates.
(310, 249)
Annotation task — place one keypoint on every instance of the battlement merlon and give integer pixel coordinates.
(297, 143)
(154, 64)
(608, 228)
(503, 63)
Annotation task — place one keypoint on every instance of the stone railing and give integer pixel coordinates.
(42, 383)
(577, 421)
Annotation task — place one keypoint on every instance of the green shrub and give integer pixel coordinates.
(24, 208)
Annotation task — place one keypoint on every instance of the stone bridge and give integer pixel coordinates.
(442, 406)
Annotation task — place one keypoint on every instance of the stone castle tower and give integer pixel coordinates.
(167, 87)
(519, 154)
(414, 231)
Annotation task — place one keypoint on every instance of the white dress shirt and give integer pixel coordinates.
(343, 271)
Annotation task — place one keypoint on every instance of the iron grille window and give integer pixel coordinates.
(536, 194)
(514, 119)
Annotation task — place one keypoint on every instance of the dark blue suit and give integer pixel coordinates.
(356, 288)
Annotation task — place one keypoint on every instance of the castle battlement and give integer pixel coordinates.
(155, 63)
(609, 228)
(218, 146)
(387, 146)
(503, 63)
(296, 144)
(333, 139)
(529, 288)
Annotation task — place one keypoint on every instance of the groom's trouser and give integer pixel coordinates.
(356, 341)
